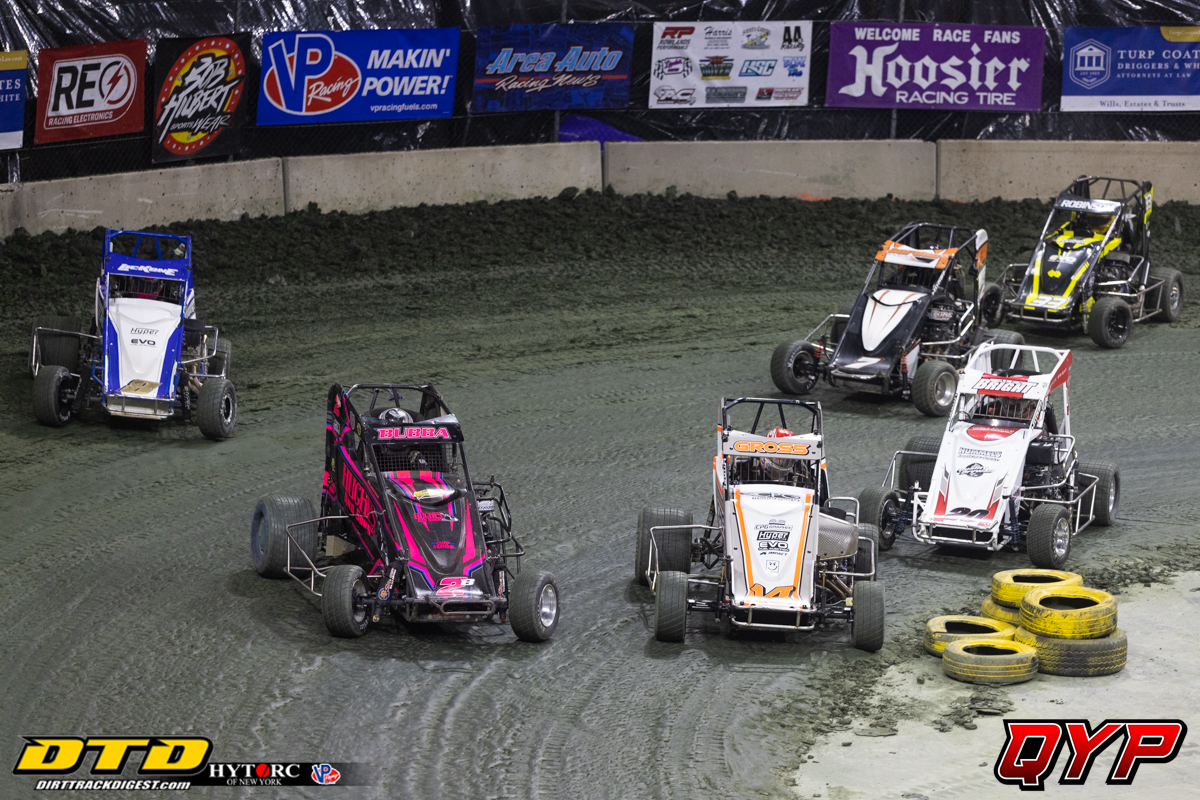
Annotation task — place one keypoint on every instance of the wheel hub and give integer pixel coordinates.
(548, 606)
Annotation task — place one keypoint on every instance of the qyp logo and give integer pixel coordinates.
(163, 755)
(311, 78)
(1033, 746)
(1090, 63)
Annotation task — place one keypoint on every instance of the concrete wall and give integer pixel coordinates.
(807, 169)
(981, 170)
(376, 181)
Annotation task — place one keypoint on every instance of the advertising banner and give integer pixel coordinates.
(1131, 69)
(12, 99)
(201, 102)
(929, 65)
(92, 90)
(541, 67)
(356, 76)
(730, 64)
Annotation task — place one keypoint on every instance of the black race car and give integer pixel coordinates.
(1091, 267)
(402, 528)
(916, 320)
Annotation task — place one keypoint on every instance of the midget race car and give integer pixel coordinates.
(776, 554)
(146, 355)
(914, 323)
(403, 529)
(1005, 474)
(1091, 267)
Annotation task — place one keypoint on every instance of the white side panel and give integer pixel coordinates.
(879, 319)
(144, 327)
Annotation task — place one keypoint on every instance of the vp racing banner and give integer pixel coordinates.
(355, 76)
(91, 90)
(201, 103)
(12, 99)
(539, 67)
(930, 65)
(730, 64)
(1131, 69)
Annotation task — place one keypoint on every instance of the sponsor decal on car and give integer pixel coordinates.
(987, 433)
(791, 448)
(1032, 747)
(972, 452)
(430, 516)
(974, 470)
(139, 387)
(414, 433)
(170, 272)
(1005, 387)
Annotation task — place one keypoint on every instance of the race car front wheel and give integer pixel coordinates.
(866, 626)
(217, 409)
(1048, 538)
(991, 306)
(1108, 490)
(934, 388)
(1170, 295)
(533, 606)
(1110, 322)
(794, 367)
(880, 506)
(50, 403)
(670, 606)
(344, 584)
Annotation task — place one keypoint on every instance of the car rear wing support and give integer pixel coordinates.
(35, 350)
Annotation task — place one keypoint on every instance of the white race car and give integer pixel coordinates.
(1005, 472)
(776, 553)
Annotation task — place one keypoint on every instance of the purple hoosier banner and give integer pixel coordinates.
(929, 65)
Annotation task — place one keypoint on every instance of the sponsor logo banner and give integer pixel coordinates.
(354, 76)
(538, 67)
(929, 65)
(1131, 69)
(88, 91)
(201, 104)
(767, 64)
(12, 99)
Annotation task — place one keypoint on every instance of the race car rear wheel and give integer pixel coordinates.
(533, 606)
(219, 363)
(1110, 322)
(794, 367)
(652, 517)
(1170, 296)
(344, 584)
(991, 306)
(918, 469)
(866, 625)
(880, 506)
(934, 387)
(670, 606)
(216, 411)
(1108, 490)
(50, 404)
(268, 534)
(1048, 537)
(54, 349)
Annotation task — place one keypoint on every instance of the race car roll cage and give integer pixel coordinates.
(490, 500)
(710, 551)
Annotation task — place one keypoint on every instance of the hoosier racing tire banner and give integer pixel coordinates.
(92, 90)
(201, 103)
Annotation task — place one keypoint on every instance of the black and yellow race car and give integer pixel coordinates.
(1091, 267)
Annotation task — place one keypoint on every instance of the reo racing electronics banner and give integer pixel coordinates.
(12, 99)
(730, 64)
(355, 76)
(929, 65)
(540, 67)
(1131, 69)
(201, 102)
(92, 90)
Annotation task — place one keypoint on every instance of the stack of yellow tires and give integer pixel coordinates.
(980, 650)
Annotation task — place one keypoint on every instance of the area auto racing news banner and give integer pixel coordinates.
(93, 90)
(730, 64)
(928, 65)
(202, 96)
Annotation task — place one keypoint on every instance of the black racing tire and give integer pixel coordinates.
(1108, 490)
(941, 631)
(993, 610)
(216, 411)
(991, 306)
(221, 360)
(1048, 537)
(652, 517)
(268, 534)
(343, 583)
(1070, 612)
(50, 406)
(880, 506)
(839, 325)
(867, 623)
(533, 606)
(918, 469)
(863, 558)
(1010, 585)
(934, 388)
(670, 606)
(999, 360)
(56, 350)
(794, 367)
(990, 662)
(1078, 658)
(1110, 322)
(1170, 296)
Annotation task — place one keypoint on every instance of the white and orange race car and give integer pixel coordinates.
(1005, 474)
(777, 553)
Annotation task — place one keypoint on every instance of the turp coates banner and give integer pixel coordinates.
(1131, 69)
(929, 65)
(12, 98)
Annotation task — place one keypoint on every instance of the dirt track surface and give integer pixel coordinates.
(585, 352)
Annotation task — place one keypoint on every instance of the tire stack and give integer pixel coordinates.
(980, 650)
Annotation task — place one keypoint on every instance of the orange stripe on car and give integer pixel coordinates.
(737, 498)
(803, 540)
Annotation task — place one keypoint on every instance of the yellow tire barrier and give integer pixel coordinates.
(993, 610)
(940, 631)
(1078, 658)
(1069, 612)
(1009, 586)
(991, 662)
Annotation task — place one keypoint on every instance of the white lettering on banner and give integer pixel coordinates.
(899, 71)
(418, 58)
(888, 34)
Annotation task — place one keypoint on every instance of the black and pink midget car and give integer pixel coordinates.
(403, 529)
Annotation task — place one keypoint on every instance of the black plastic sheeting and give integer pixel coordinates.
(35, 24)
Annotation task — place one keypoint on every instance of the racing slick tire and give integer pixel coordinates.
(993, 610)
(990, 662)
(1010, 585)
(941, 631)
(1048, 537)
(794, 367)
(343, 583)
(1078, 658)
(867, 623)
(918, 469)
(879, 506)
(56, 350)
(839, 325)
(1108, 490)
(991, 306)
(864, 558)
(1170, 295)
(268, 534)
(216, 411)
(934, 388)
(49, 405)
(651, 517)
(1005, 337)
(1072, 612)
(533, 606)
(670, 606)
(219, 363)
(1110, 322)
